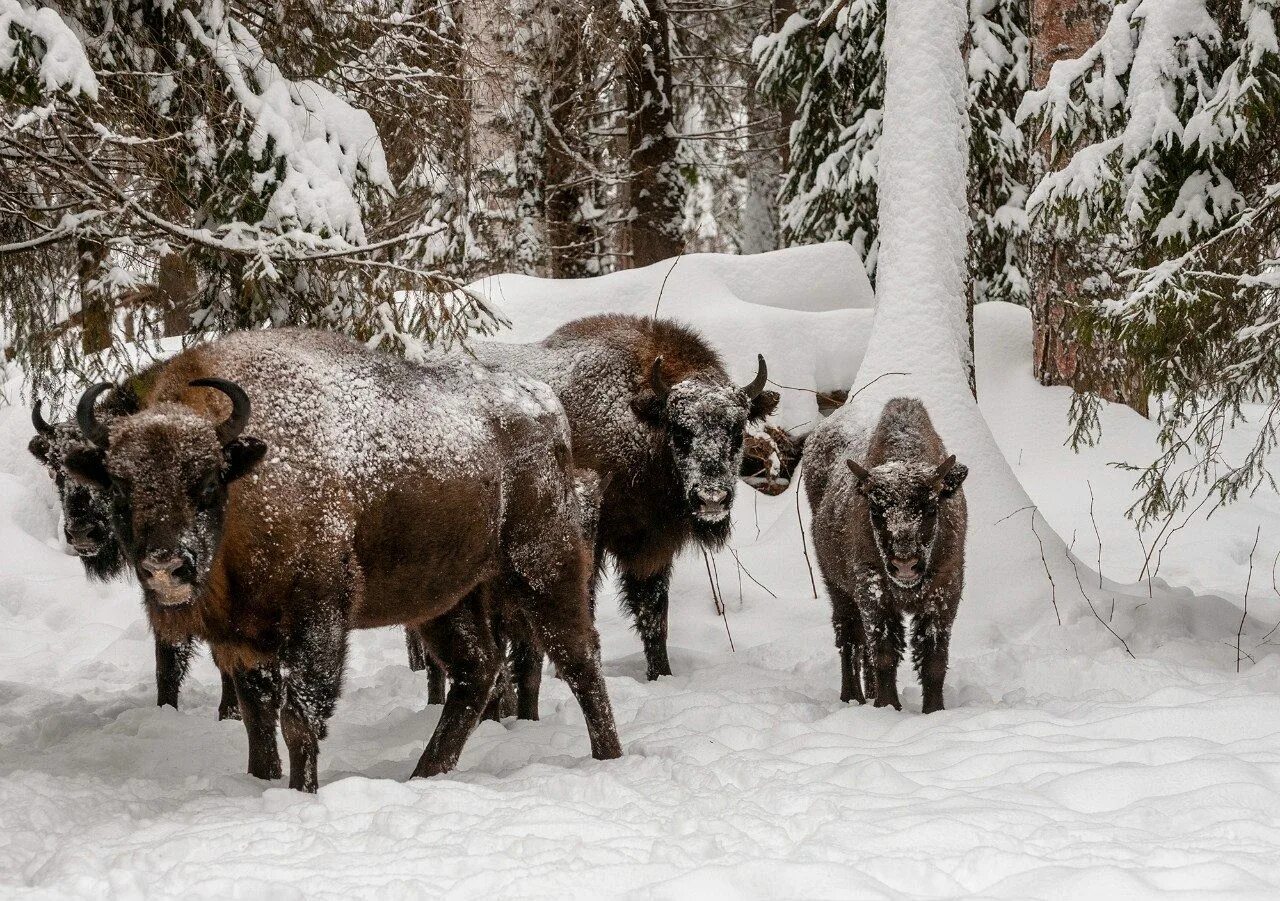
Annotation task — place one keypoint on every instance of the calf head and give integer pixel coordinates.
(167, 472)
(703, 420)
(903, 501)
(86, 508)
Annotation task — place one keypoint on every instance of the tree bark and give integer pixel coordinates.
(569, 236)
(176, 280)
(95, 301)
(656, 192)
(1064, 29)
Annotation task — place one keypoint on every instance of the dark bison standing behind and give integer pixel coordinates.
(280, 488)
(654, 412)
(889, 524)
(86, 525)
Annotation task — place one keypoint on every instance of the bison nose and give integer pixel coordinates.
(906, 567)
(712, 497)
(83, 538)
(159, 563)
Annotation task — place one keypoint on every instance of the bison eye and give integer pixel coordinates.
(681, 437)
(207, 493)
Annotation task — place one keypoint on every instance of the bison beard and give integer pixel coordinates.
(889, 523)
(436, 496)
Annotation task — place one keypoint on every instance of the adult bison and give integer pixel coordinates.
(653, 411)
(889, 526)
(86, 525)
(354, 491)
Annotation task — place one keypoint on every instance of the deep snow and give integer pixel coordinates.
(1063, 768)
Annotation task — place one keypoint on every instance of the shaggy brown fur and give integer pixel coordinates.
(663, 456)
(889, 524)
(437, 496)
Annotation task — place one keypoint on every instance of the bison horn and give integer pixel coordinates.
(231, 427)
(943, 468)
(85, 418)
(758, 383)
(37, 420)
(858, 472)
(656, 382)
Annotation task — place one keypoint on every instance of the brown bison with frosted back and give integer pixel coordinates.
(889, 525)
(653, 410)
(280, 488)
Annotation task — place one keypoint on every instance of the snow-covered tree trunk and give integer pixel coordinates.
(656, 192)
(919, 340)
(1066, 267)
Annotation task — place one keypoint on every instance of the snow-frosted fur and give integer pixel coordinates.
(390, 493)
(662, 455)
(906, 503)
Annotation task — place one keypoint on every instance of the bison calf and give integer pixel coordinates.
(889, 523)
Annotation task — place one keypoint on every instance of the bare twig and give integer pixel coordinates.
(663, 286)
(715, 594)
(1096, 533)
(1053, 588)
(1247, 582)
(1106, 625)
(749, 576)
(718, 598)
(804, 544)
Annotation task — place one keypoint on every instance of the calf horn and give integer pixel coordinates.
(85, 418)
(757, 384)
(656, 382)
(37, 420)
(231, 427)
(943, 468)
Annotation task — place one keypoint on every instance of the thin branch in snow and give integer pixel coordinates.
(1096, 533)
(804, 544)
(1094, 610)
(1248, 582)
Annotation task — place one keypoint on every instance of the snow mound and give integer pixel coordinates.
(807, 309)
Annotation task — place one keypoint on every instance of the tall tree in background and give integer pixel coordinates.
(1169, 128)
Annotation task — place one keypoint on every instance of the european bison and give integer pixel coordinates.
(889, 524)
(86, 525)
(653, 411)
(356, 491)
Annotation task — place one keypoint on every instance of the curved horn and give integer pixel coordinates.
(85, 418)
(856, 468)
(231, 427)
(758, 383)
(656, 382)
(37, 420)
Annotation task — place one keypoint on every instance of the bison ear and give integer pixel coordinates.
(648, 407)
(763, 404)
(241, 455)
(39, 447)
(88, 463)
(952, 481)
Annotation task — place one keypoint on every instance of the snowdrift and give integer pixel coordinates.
(1062, 768)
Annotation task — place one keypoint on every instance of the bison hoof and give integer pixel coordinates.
(266, 771)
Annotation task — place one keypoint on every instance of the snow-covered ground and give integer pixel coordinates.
(1063, 768)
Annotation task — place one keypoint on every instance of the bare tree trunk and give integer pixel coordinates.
(176, 279)
(655, 182)
(569, 236)
(95, 302)
(1064, 29)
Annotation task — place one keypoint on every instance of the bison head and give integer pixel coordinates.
(86, 509)
(167, 470)
(903, 501)
(703, 420)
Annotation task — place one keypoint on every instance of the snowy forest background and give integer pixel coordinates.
(209, 166)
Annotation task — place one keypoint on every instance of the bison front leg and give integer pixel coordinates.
(851, 639)
(172, 662)
(420, 660)
(885, 641)
(258, 693)
(646, 599)
(930, 652)
(462, 638)
(229, 703)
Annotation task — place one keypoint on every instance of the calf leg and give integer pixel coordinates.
(930, 650)
(172, 662)
(526, 660)
(314, 658)
(851, 639)
(420, 660)
(258, 692)
(462, 638)
(885, 642)
(646, 599)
